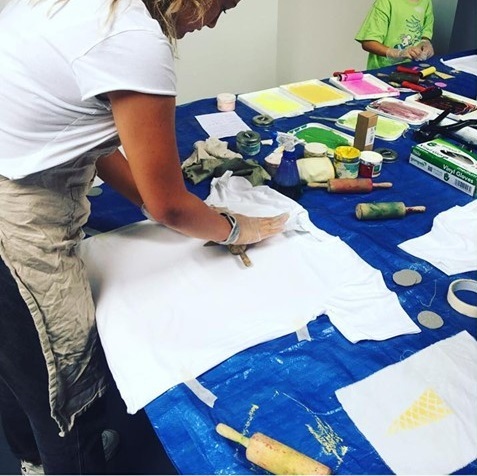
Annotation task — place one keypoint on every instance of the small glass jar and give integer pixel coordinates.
(226, 102)
(248, 143)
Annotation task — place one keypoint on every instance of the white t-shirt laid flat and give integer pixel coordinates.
(420, 414)
(451, 245)
(55, 60)
(169, 309)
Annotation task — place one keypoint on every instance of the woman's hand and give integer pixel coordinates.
(247, 230)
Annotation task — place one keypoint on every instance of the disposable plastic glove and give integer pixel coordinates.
(248, 230)
(396, 55)
(424, 50)
(253, 229)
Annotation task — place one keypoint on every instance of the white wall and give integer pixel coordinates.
(262, 43)
(238, 55)
(316, 37)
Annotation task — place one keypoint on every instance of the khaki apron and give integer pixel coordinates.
(41, 219)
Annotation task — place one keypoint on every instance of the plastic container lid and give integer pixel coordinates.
(315, 149)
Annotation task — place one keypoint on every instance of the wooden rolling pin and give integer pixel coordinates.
(272, 455)
(348, 185)
(383, 210)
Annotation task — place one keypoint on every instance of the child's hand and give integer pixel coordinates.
(397, 55)
(422, 51)
(427, 49)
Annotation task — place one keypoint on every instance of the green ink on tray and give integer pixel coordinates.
(385, 128)
(324, 136)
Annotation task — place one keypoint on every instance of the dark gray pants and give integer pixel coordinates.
(30, 430)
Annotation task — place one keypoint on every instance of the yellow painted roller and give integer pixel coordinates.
(272, 455)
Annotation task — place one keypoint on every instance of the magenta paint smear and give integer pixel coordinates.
(362, 86)
(400, 110)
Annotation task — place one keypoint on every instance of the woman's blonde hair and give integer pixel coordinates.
(164, 11)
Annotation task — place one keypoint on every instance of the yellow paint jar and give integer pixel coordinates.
(346, 161)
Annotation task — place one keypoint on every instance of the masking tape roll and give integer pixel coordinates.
(457, 304)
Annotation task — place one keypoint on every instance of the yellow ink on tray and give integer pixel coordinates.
(277, 103)
(328, 439)
(315, 93)
(427, 409)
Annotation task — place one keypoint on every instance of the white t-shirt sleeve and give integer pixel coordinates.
(134, 60)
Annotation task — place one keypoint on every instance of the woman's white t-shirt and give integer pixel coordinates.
(55, 60)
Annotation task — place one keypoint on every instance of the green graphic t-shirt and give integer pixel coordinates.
(396, 24)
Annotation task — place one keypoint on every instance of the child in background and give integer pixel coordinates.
(397, 30)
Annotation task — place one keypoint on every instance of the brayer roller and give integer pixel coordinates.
(272, 455)
(348, 185)
(383, 210)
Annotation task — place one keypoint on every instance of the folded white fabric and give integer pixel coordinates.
(169, 309)
(467, 64)
(420, 414)
(451, 245)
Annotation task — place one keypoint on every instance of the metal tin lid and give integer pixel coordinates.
(248, 137)
(389, 155)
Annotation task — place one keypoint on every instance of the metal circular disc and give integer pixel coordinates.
(430, 319)
(407, 277)
(94, 192)
(389, 155)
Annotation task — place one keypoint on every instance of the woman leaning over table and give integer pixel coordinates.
(78, 78)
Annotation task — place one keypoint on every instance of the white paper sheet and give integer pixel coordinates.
(420, 414)
(451, 245)
(169, 309)
(222, 124)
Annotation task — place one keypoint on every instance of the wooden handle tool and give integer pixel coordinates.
(272, 455)
(236, 250)
(239, 250)
(348, 185)
(383, 210)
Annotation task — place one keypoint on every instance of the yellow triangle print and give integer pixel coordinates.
(428, 408)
